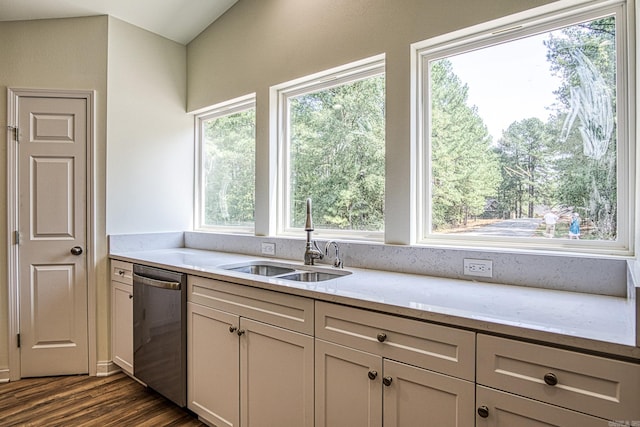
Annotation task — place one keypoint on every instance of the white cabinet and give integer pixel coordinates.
(554, 386)
(250, 362)
(122, 315)
(374, 369)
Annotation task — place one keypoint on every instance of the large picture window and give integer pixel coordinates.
(226, 166)
(332, 150)
(524, 134)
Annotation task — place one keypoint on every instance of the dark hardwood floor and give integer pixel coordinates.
(81, 400)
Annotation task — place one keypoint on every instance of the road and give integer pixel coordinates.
(523, 227)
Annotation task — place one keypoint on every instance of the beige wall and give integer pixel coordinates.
(53, 54)
(260, 43)
(150, 137)
(145, 171)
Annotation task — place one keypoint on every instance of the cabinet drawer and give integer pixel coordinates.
(437, 348)
(278, 309)
(508, 410)
(122, 272)
(595, 385)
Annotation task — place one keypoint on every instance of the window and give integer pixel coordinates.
(226, 166)
(332, 150)
(524, 134)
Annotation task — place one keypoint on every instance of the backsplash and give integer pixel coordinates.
(562, 272)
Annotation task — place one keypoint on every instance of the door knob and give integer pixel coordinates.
(76, 250)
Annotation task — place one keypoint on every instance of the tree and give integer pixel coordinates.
(229, 169)
(464, 167)
(337, 155)
(524, 156)
(585, 57)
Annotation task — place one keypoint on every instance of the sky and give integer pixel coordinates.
(508, 82)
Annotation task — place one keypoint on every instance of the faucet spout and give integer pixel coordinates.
(312, 251)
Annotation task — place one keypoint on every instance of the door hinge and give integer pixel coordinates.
(16, 132)
(18, 340)
(17, 237)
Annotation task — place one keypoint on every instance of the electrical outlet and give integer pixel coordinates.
(268, 248)
(478, 267)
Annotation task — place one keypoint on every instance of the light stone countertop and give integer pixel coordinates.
(593, 323)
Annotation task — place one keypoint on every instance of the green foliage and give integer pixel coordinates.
(337, 156)
(525, 167)
(588, 184)
(229, 169)
(464, 168)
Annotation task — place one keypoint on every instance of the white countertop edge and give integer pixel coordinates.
(546, 316)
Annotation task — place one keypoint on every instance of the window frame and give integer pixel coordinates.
(223, 109)
(344, 74)
(500, 31)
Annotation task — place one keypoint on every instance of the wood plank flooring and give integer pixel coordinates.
(81, 400)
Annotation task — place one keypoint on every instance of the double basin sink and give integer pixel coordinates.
(286, 271)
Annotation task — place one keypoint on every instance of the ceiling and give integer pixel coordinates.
(178, 20)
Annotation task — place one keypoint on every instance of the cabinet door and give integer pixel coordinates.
(508, 410)
(122, 325)
(418, 397)
(276, 376)
(348, 387)
(213, 365)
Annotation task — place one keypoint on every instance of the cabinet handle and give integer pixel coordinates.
(372, 375)
(382, 337)
(387, 381)
(550, 379)
(121, 272)
(130, 296)
(483, 411)
(232, 329)
(241, 332)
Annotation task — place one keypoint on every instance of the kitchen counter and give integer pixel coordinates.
(594, 323)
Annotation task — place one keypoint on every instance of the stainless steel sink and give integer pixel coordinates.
(311, 276)
(262, 269)
(285, 271)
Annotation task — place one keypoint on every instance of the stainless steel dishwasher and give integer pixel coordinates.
(160, 331)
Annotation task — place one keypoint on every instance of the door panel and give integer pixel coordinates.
(348, 386)
(52, 220)
(52, 211)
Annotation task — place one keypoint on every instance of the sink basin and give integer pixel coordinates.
(262, 269)
(285, 271)
(311, 276)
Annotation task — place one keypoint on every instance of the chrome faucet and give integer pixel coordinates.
(311, 251)
(337, 262)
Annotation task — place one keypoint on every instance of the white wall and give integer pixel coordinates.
(150, 136)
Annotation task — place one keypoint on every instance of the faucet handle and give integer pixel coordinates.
(337, 262)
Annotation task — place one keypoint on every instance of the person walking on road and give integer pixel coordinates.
(574, 226)
(550, 220)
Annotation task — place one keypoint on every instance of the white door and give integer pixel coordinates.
(52, 236)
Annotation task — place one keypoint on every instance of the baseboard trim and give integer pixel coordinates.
(4, 376)
(106, 368)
